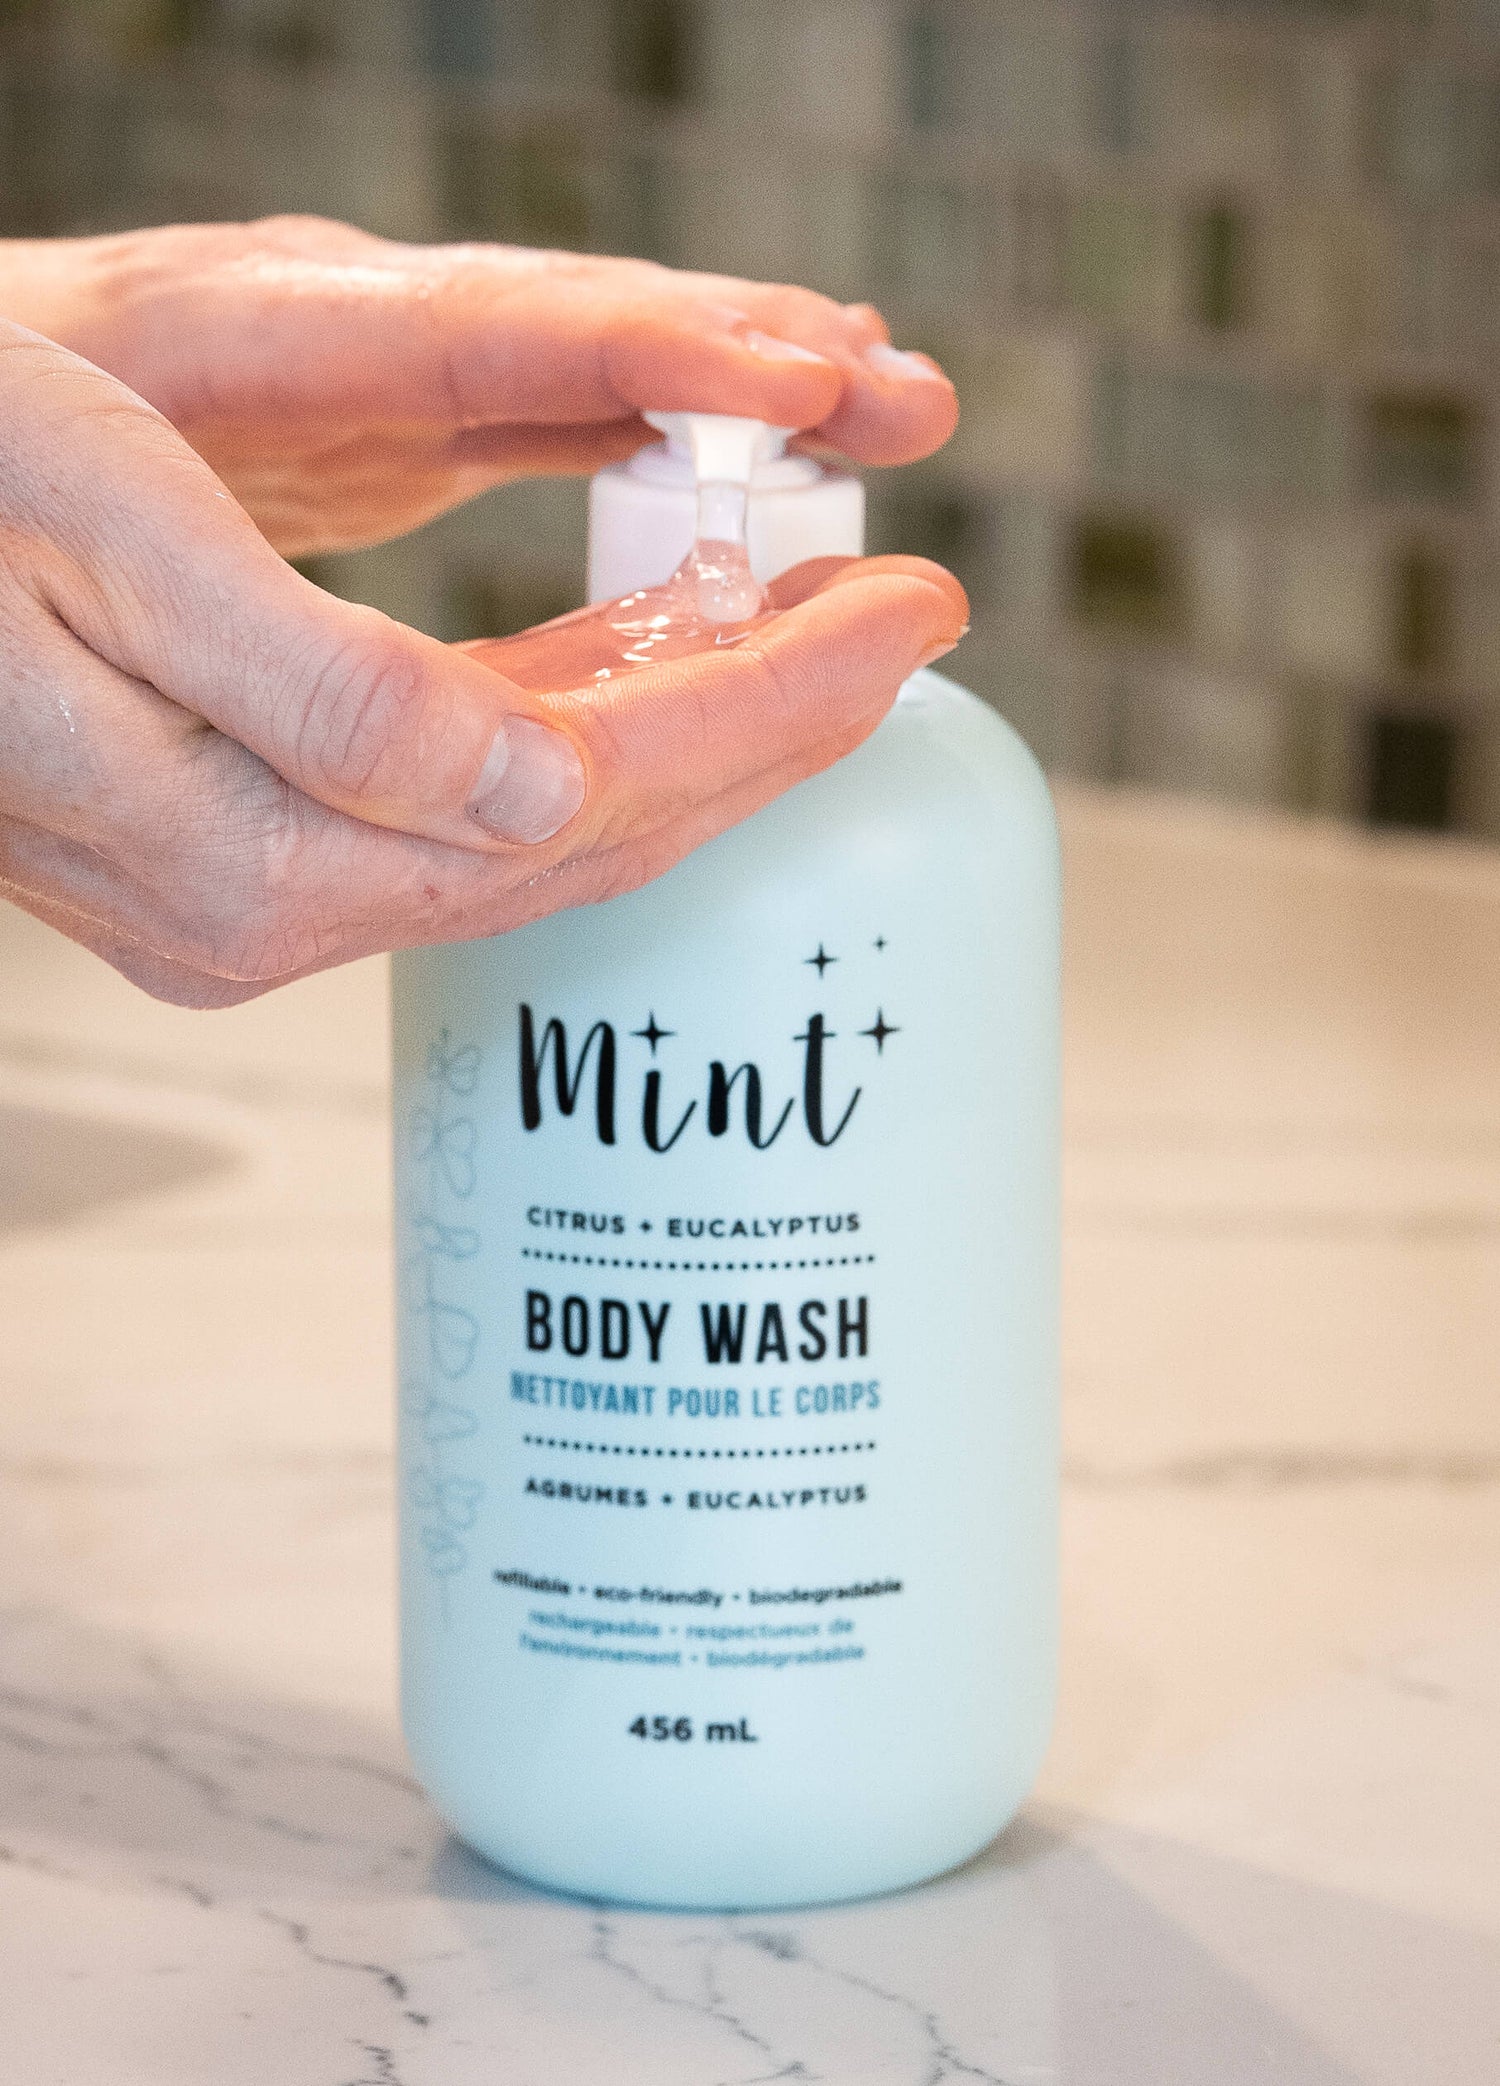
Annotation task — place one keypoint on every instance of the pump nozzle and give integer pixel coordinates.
(642, 514)
(724, 448)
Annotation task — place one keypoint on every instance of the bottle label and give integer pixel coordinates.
(694, 1362)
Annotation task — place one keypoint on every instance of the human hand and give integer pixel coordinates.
(221, 778)
(347, 388)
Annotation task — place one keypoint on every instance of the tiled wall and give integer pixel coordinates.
(1220, 284)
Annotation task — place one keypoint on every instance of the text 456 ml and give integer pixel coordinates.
(682, 1729)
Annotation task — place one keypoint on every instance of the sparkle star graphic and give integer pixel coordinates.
(879, 942)
(821, 961)
(880, 1030)
(651, 1033)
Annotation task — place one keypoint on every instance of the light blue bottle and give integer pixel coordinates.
(727, 1240)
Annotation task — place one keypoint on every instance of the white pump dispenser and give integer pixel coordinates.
(726, 1219)
(723, 448)
(643, 515)
(725, 451)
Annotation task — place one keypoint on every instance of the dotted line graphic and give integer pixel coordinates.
(606, 1448)
(699, 1267)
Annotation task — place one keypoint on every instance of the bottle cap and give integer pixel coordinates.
(643, 514)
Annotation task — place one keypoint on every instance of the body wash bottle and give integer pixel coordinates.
(727, 1242)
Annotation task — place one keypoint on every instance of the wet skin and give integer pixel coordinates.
(219, 776)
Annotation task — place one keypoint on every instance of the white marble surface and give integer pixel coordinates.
(1267, 1843)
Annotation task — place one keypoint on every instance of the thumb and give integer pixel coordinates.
(376, 720)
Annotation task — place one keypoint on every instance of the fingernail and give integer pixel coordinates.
(887, 361)
(531, 783)
(770, 349)
(940, 647)
(941, 651)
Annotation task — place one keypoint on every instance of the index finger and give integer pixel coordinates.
(330, 329)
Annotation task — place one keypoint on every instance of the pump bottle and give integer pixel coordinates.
(727, 1249)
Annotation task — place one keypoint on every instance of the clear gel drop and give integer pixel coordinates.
(713, 599)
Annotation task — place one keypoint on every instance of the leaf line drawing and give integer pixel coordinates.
(444, 1141)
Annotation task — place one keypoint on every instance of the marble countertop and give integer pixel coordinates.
(1266, 1846)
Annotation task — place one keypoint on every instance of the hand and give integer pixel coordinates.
(221, 778)
(347, 389)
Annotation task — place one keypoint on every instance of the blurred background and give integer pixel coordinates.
(1219, 283)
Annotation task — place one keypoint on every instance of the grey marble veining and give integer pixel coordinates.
(166, 1846)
